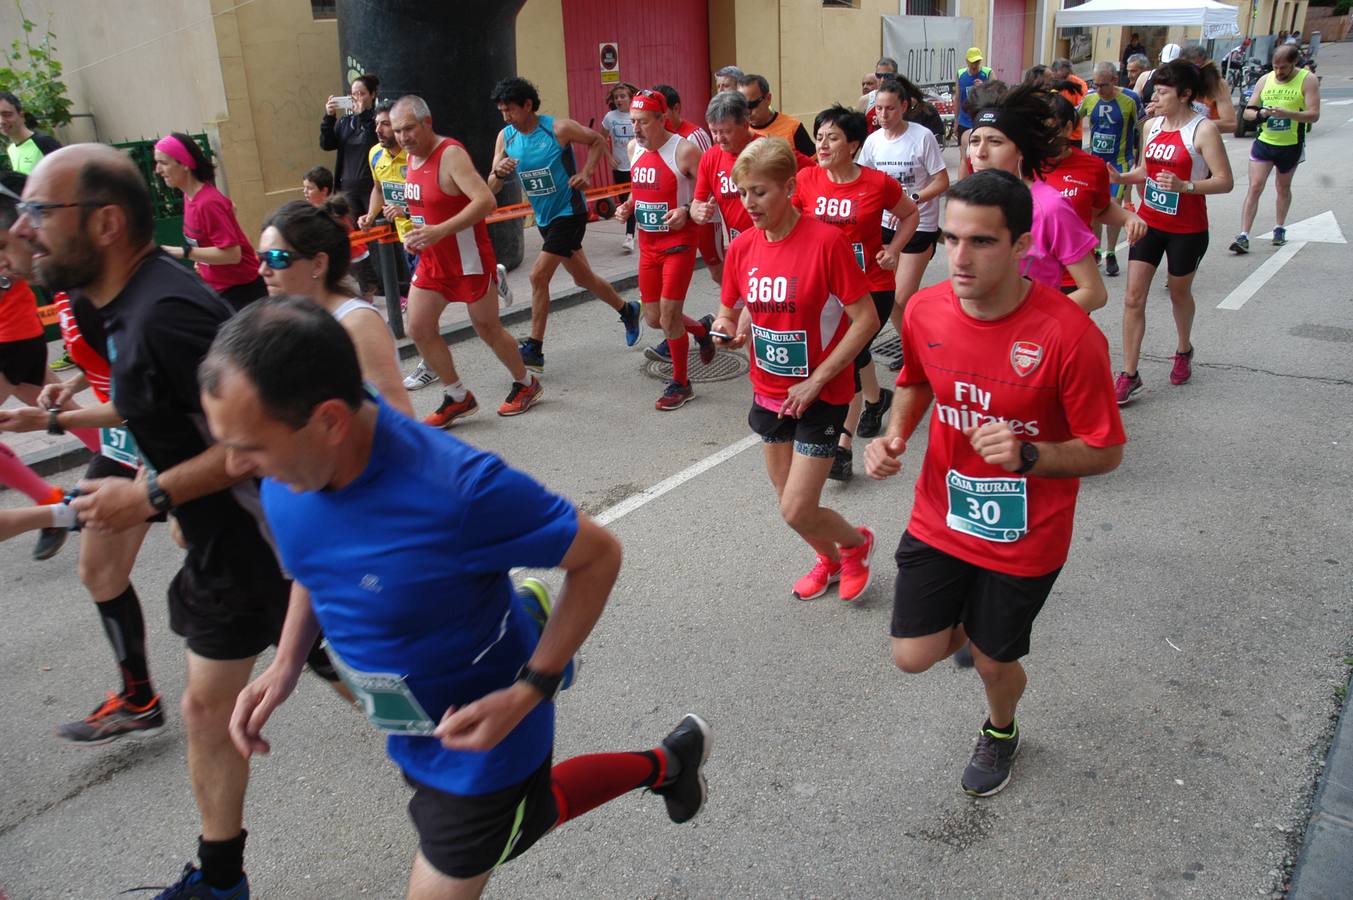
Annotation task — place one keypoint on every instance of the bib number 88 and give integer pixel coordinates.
(776, 355)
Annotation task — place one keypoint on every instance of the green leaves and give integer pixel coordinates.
(31, 71)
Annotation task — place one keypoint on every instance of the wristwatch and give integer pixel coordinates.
(915, 197)
(1028, 457)
(54, 426)
(548, 685)
(159, 500)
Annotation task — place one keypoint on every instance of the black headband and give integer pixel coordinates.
(996, 117)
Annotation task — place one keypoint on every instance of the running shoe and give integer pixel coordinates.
(818, 579)
(633, 322)
(50, 542)
(896, 365)
(1241, 244)
(62, 364)
(534, 595)
(706, 343)
(451, 410)
(1182, 370)
(521, 398)
(1125, 387)
(420, 377)
(659, 352)
(1098, 256)
(1279, 236)
(191, 886)
(842, 470)
(114, 718)
(676, 396)
(628, 243)
(1111, 264)
(989, 769)
(688, 746)
(963, 657)
(856, 573)
(505, 297)
(871, 417)
(532, 354)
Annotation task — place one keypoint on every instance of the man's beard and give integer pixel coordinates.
(80, 267)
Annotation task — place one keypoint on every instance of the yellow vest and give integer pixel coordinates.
(390, 171)
(1276, 131)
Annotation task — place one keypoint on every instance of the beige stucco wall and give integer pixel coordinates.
(540, 51)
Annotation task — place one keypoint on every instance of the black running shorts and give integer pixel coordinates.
(935, 591)
(1284, 159)
(564, 236)
(883, 305)
(465, 836)
(921, 241)
(24, 362)
(814, 434)
(1185, 251)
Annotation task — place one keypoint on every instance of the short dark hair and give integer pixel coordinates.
(1185, 77)
(12, 100)
(294, 353)
(902, 87)
(9, 210)
(203, 169)
(1063, 110)
(124, 187)
(517, 91)
(759, 80)
(321, 178)
(995, 187)
(986, 93)
(384, 106)
(852, 123)
(370, 82)
(312, 230)
(669, 94)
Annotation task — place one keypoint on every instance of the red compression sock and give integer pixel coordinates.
(680, 348)
(18, 476)
(694, 327)
(583, 783)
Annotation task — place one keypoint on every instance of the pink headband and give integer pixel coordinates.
(173, 148)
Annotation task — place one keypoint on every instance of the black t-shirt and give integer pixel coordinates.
(46, 143)
(158, 330)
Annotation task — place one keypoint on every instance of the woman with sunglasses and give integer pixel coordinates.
(214, 241)
(305, 253)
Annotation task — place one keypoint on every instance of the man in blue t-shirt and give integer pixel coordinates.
(974, 74)
(410, 583)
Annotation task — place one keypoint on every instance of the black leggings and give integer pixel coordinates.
(620, 176)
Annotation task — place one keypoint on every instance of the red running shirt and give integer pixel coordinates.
(1173, 151)
(657, 187)
(796, 290)
(19, 313)
(209, 221)
(1044, 369)
(90, 360)
(855, 208)
(714, 179)
(1084, 182)
(467, 252)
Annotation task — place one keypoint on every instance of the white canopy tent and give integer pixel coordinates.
(1216, 19)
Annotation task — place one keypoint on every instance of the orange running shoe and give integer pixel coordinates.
(451, 410)
(115, 718)
(856, 572)
(818, 579)
(521, 398)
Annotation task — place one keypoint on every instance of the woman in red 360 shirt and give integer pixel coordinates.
(810, 315)
(1182, 159)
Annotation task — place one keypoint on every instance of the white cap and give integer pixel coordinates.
(1169, 53)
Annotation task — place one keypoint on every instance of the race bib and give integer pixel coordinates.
(1278, 124)
(386, 699)
(859, 255)
(537, 182)
(417, 220)
(1104, 144)
(781, 352)
(649, 216)
(118, 445)
(393, 192)
(1161, 200)
(993, 509)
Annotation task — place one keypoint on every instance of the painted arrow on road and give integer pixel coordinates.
(1323, 229)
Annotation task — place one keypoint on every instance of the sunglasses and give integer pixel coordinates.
(753, 104)
(280, 259)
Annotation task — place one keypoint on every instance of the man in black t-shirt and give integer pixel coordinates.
(89, 222)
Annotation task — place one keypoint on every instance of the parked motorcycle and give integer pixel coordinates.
(1254, 70)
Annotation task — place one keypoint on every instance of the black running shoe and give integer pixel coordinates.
(50, 542)
(871, 418)
(191, 886)
(1110, 265)
(706, 343)
(989, 769)
(689, 743)
(841, 465)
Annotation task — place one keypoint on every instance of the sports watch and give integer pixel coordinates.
(548, 685)
(159, 499)
(1028, 457)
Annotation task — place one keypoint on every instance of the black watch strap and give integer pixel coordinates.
(53, 424)
(159, 499)
(548, 685)
(1028, 457)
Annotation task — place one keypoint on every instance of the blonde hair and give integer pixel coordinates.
(767, 156)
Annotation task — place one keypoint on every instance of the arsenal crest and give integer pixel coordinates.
(1025, 357)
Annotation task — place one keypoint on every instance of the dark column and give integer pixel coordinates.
(451, 55)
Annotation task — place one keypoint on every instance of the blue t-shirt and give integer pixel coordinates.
(544, 168)
(1113, 127)
(407, 568)
(966, 80)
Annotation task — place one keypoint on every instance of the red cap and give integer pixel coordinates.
(649, 101)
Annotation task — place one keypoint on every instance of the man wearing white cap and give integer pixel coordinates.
(1145, 83)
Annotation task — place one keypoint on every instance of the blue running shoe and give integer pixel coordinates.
(532, 354)
(630, 318)
(534, 595)
(190, 886)
(659, 352)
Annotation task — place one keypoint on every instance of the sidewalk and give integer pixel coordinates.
(47, 454)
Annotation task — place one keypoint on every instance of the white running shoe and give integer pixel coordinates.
(628, 243)
(421, 377)
(505, 297)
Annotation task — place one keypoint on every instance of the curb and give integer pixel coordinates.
(1324, 868)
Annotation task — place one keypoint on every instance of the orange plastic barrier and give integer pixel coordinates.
(47, 315)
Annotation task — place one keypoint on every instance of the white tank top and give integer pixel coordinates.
(352, 305)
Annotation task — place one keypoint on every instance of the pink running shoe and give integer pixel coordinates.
(816, 582)
(856, 573)
(1182, 370)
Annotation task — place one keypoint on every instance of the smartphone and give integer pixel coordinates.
(720, 335)
(344, 104)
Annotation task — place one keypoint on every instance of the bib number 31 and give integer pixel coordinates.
(993, 509)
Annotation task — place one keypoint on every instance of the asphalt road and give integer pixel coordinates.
(1181, 680)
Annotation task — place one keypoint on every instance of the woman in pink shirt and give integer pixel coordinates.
(1017, 134)
(213, 239)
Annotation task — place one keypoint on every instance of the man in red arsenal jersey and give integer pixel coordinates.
(448, 203)
(1023, 408)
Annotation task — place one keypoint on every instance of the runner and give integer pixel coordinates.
(769, 122)
(868, 84)
(691, 131)
(1017, 135)
(1023, 409)
(886, 67)
(448, 203)
(663, 166)
(1071, 86)
(305, 253)
(972, 75)
(1183, 159)
(853, 199)
(1285, 102)
(619, 132)
(1137, 63)
(1113, 118)
(727, 78)
(229, 598)
(213, 240)
(470, 723)
(1218, 104)
(909, 154)
(802, 351)
(26, 146)
(1144, 86)
(533, 147)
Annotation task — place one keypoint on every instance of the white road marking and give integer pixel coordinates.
(631, 503)
(1323, 228)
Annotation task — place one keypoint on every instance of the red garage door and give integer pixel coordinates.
(660, 42)
(1007, 40)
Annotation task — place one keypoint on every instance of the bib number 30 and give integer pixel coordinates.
(993, 509)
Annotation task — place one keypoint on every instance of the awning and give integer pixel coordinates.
(1216, 19)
